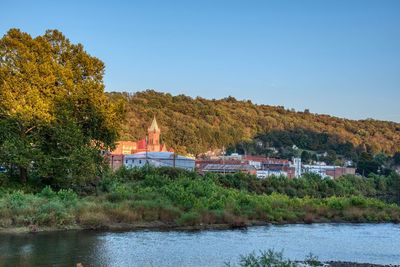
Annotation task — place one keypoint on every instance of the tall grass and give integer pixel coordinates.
(180, 198)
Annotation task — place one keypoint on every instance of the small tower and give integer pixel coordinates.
(153, 132)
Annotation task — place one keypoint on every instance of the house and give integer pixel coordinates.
(159, 159)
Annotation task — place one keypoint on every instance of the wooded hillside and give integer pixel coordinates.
(196, 125)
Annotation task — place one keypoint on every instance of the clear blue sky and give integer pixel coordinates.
(337, 57)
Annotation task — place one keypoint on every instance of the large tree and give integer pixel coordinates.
(54, 115)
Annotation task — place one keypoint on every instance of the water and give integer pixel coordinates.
(372, 243)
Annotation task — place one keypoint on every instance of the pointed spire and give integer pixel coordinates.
(154, 125)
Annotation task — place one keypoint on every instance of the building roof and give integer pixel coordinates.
(255, 158)
(322, 167)
(156, 155)
(265, 160)
(276, 161)
(218, 161)
(228, 167)
(154, 125)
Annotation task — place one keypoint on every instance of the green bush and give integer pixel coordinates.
(53, 213)
(47, 192)
(171, 197)
(189, 218)
(268, 258)
(119, 193)
(271, 258)
(68, 197)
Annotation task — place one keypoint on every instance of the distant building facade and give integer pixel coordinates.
(159, 159)
(260, 166)
(265, 167)
(229, 168)
(151, 143)
(329, 171)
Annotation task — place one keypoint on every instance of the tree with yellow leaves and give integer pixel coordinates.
(54, 115)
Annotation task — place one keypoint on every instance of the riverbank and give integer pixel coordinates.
(100, 214)
(117, 227)
(154, 226)
(167, 199)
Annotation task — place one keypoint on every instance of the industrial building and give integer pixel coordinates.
(328, 170)
(159, 159)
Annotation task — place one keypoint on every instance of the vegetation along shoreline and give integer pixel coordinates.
(73, 157)
(168, 198)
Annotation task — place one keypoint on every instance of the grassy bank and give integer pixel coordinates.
(170, 198)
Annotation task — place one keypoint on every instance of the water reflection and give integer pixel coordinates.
(362, 243)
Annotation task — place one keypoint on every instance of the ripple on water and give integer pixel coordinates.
(373, 243)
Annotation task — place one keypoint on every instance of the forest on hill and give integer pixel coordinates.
(196, 125)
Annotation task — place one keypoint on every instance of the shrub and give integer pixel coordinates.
(312, 260)
(94, 220)
(47, 192)
(271, 258)
(336, 203)
(268, 258)
(68, 197)
(53, 213)
(119, 194)
(189, 218)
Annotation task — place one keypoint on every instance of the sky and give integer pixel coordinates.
(337, 57)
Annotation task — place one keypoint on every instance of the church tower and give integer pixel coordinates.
(153, 132)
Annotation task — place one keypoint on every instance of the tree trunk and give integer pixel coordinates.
(23, 174)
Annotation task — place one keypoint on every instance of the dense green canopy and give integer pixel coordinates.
(54, 115)
(196, 125)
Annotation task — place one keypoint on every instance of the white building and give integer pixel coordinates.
(320, 169)
(262, 174)
(159, 159)
(256, 164)
(297, 167)
(324, 170)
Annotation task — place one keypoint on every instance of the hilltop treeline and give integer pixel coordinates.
(196, 125)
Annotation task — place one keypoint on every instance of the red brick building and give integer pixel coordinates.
(153, 144)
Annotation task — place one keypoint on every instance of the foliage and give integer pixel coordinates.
(196, 125)
(271, 258)
(268, 258)
(47, 208)
(54, 115)
(378, 186)
(312, 260)
(187, 199)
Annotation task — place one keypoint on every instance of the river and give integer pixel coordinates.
(372, 243)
